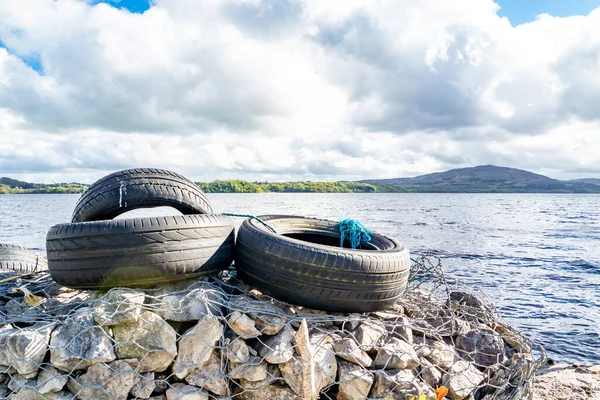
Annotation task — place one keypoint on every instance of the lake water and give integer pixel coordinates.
(537, 257)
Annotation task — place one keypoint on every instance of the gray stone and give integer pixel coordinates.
(254, 370)
(15, 308)
(348, 349)
(393, 385)
(143, 385)
(370, 335)
(483, 347)
(354, 382)
(467, 299)
(271, 392)
(236, 349)
(150, 339)
(400, 329)
(118, 306)
(210, 377)
(396, 354)
(269, 318)
(352, 322)
(24, 349)
(278, 349)
(436, 352)
(104, 380)
(181, 391)
(189, 302)
(273, 373)
(430, 374)
(18, 381)
(324, 366)
(196, 345)
(242, 325)
(462, 379)
(51, 380)
(31, 394)
(78, 343)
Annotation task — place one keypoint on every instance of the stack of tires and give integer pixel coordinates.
(294, 259)
(96, 251)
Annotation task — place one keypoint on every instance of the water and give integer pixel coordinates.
(537, 257)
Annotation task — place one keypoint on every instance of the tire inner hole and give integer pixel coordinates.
(326, 240)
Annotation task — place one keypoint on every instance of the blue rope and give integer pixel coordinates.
(355, 231)
(253, 217)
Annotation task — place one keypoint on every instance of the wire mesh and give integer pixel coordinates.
(218, 338)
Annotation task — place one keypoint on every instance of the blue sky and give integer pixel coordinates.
(522, 11)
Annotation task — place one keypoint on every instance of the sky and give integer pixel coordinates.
(298, 89)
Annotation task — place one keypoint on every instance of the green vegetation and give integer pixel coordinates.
(13, 186)
(239, 186)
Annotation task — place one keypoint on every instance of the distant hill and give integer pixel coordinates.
(481, 179)
(13, 186)
(591, 181)
(487, 179)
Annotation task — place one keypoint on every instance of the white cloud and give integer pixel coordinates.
(295, 89)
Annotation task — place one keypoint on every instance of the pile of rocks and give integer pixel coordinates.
(217, 340)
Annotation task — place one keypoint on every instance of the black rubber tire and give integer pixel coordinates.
(139, 188)
(139, 251)
(320, 276)
(20, 260)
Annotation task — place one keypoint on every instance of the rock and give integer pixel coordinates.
(31, 394)
(210, 377)
(118, 306)
(24, 349)
(51, 380)
(467, 299)
(273, 373)
(243, 325)
(181, 391)
(370, 335)
(15, 308)
(271, 392)
(150, 339)
(348, 349)
(18, 381)
(236, 350)
(254, 370)
(143, 385)
(325, 369)
(401, 330)
(484, 347)
(104, 380)
(561, 381)
(396, 354)
(161, 382)
(268, 318)
(430, 374)
(351, 322)
(393, 384)
(196, 345)
(78, 343)
(278, 349)
(184, 302)
(462, 379)
(436, 352)
(354, 382)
